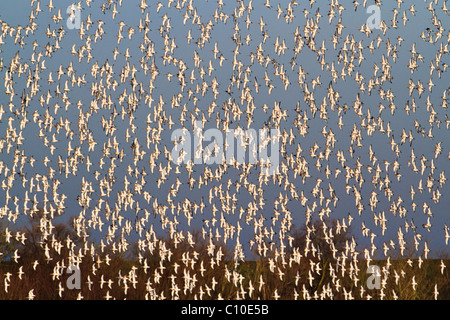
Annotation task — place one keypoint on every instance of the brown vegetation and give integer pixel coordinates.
(34, 264)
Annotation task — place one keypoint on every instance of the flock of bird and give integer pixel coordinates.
(86, 115)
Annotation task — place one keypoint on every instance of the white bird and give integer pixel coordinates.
(443, 266)
(31, 295)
